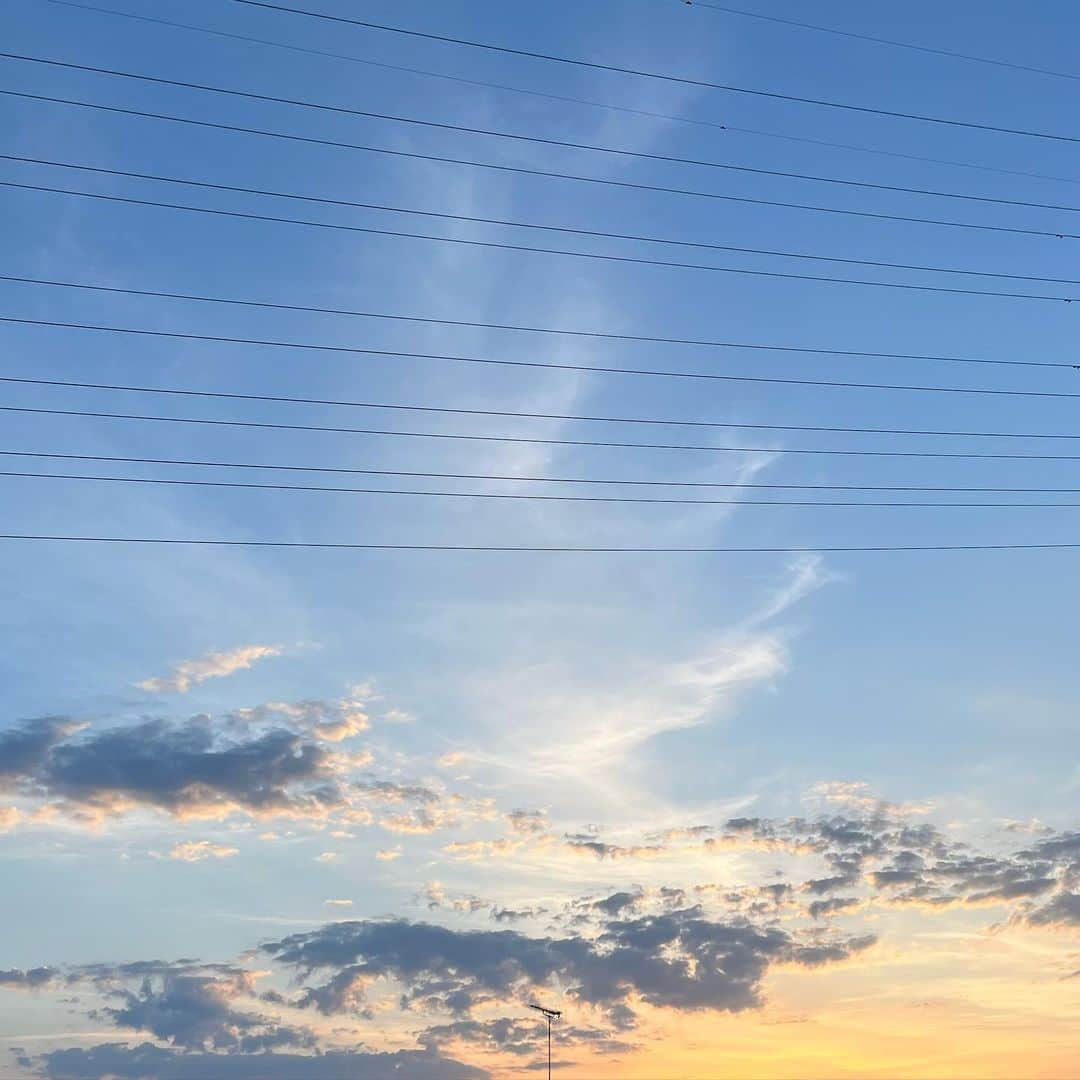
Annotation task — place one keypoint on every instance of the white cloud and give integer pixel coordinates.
(198, 850)
(388, 854)
(214, 665)
(9, 818)
(806, 574)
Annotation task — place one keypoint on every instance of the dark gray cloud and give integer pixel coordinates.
(520, 1037)
(588, 844)
(503, 914)
(822, 909)
(180, 768)
(1061, 910)
(192, 1007)
(616, 903)
(29, 978)
(679, 959)
(149, 1062)
(23, 749)
(822, 886)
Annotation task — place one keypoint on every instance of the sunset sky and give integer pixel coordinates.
(272, 812)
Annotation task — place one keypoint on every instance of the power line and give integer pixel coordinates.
(683, 80)
(519, 415)
(471, 324)
(951, 54)
(563, 98)
(520, 170)
(455, 436)
(502, 222)
(641, 155)
(536, 549)
(603, 481)
(532, 249)
(847, 504)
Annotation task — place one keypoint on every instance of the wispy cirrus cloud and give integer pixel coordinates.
(212, 665)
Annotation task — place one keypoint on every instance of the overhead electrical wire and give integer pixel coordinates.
(640, 155)
(784, 275)
(68, 384)
(502, 222)
(628, 185)
(531, 440)
(563, 98)
(514, 497)
(277, 343)
(681, 79)
(534, 549)
(591, 480)
(892, 43)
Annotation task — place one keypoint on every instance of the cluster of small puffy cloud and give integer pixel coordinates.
(325, 721)
(436, 898)
(876, 854)
(899, 863)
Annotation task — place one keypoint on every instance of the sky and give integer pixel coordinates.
(280, 811)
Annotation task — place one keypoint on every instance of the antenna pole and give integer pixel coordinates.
(549, 1047)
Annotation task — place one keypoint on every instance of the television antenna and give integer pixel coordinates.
(549, 1015)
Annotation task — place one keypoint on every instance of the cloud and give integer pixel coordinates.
(9, 818)
(807, 574)
(820, 909)
(147, 1060)
(327, 721)
(1062, 911)
(198, 850)
(214, 665)
(388, 791)
(436, 897)
(519, 1037)
(24, 748)
(527, 822)
(897, 863)
(679, 960)
(388, 854)
(187, 770)
(338, 903)
(192, 1008)
(859, 796)
(483, 849)
(588, 844)
(30, 979)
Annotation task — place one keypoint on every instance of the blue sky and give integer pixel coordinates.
(620, 695)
